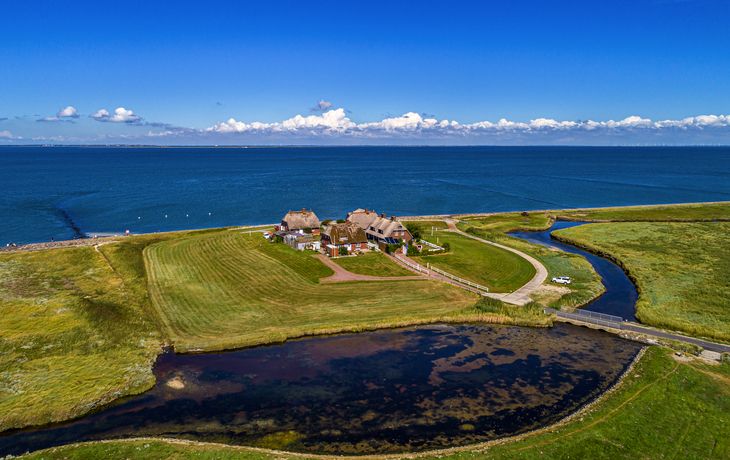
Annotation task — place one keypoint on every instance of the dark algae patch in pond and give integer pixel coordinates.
(380, 392)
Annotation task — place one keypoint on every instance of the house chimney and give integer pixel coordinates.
(367, 211)
(392, 218)
(382, 215)
(304, 210)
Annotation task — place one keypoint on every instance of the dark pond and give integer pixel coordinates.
(379, 392)
(620, 297)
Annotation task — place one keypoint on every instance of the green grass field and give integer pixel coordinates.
(663, 409)
(670, 213)
(426, 225)
(681, 270)
(586, 284)
(71, 336)
(496, 268)
(372, 264)
(228, 290)
(508, 222)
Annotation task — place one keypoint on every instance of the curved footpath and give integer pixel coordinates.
(521, 295)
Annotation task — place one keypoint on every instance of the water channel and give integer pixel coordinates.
(620, 296)
(387, 391)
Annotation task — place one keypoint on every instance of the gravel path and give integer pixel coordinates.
(341, 275)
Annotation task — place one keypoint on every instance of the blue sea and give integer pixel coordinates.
(69, 192)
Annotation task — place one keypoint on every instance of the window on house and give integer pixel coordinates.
(380, 231)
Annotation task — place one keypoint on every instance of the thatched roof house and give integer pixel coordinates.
(347, 234)
(380, 228)
(300, 220)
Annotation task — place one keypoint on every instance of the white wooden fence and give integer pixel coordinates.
(460, 280)
(418, 268)
(435, 247)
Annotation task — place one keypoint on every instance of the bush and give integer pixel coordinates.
(488, 305)
(340, 221)
(343, 251)
(326, 222)
(413, 250)
(415, 229)
(391, 248)
(446, 246)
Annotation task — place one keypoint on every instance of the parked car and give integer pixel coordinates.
(561, 280)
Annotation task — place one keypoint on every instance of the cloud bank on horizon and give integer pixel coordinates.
(332, 126)
(335, 123)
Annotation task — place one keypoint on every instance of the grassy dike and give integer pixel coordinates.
(663, 408)
(692, 212)
(680, 270)
(586, 284)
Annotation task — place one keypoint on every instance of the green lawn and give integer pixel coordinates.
(681, 270)
(372, 264)
(496, 268)
(663, 409)
(228, 290)
(427, 224)
(586, 284)
(71, 336)
(677, 213)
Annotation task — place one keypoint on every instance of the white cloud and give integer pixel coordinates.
(121, 115)
(335, 123)
(68, 112)
(51, 119)
(101, 113)
(6, 136)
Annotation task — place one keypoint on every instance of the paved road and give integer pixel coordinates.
(712, 346)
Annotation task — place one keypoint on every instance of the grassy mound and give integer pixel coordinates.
(496, 268)
(228, 290)
(680, 269)
(372, 264)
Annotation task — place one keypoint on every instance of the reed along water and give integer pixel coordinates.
(380, 392)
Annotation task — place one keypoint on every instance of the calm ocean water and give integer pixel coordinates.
(62, 192)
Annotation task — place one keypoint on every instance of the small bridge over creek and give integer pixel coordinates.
(591, 319)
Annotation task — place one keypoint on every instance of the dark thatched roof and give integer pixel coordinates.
(346, 233)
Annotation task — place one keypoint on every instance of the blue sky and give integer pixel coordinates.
(241, 72)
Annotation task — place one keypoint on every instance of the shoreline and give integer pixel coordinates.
(85, 241)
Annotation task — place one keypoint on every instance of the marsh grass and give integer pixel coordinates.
(508, 222)
(72, 338)
(372, 264)
(496, 268)
(680, 270)
(662, 409)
